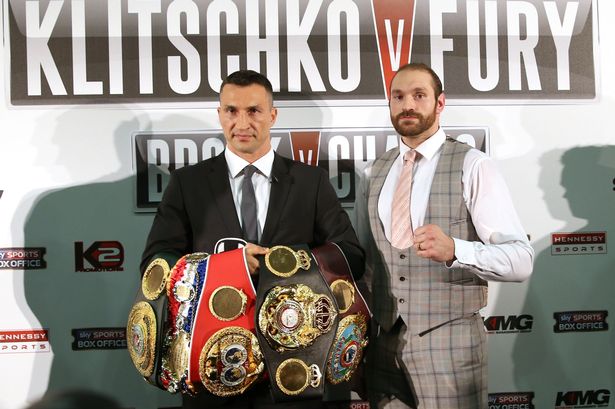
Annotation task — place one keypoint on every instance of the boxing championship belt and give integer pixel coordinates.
(296, 322)
(351, 338)
(183, 291)
(224, 353)
(147, 319)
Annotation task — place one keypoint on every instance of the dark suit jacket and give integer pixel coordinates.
(197, 210)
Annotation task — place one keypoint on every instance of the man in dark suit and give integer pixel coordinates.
(295, 203)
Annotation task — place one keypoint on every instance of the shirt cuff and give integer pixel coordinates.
(464, 254)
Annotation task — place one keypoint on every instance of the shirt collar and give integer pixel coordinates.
(428, 148)
(235, 164)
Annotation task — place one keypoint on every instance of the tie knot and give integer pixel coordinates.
(409, 157)
(249, 170)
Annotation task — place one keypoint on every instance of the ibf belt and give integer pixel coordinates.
(347, 350)
(147, 319)
(297, 320)
(225, 355)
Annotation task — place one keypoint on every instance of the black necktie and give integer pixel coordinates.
(248, 206)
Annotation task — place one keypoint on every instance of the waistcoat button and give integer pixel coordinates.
(402, 278)
(402, 256)
(401, 301)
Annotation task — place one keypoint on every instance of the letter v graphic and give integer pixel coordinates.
(394, 20)
(305, 146)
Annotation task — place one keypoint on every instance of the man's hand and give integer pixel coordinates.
(431, 242)
(253, 250)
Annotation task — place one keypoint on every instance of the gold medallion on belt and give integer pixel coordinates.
(294, 316)
(227, 303)
(284, 261)
(230, 361)
(293, 376)
(141, 336)
(155, 278)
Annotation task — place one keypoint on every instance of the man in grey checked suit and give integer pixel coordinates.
(428, 350)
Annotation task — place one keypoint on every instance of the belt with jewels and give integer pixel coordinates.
(296, 322)
(351, 338)
(147, 319)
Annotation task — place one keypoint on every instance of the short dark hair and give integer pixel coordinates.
(244, 78)
(419, 66)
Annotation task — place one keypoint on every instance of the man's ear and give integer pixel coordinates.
(440, 103)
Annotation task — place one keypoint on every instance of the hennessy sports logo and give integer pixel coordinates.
(99, 338)
(563, 244)
(23, 341)
(580, 321)
(499, 324)
(99, 256)
(583, 399)
(342, 152)
(27, 258)
(314, 52)
(511, 400)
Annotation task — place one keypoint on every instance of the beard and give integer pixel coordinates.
(416, 128)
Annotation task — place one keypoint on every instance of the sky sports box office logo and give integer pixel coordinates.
(314, 52)
(511, 400)
(26, 258)
(567, 244)
(580, 321)
(24, 341)
(98, 338)
(342, 152)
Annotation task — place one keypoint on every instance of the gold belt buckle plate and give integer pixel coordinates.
(284, 261)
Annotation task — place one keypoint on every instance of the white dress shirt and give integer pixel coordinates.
(506, 254)
(261, 181)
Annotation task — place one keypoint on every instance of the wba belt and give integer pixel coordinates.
(147, 319)
(297, 321)
(351, 337)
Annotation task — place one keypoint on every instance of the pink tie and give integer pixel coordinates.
(401, 223)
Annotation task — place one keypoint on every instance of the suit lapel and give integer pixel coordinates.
(218, 180)
(281, 182)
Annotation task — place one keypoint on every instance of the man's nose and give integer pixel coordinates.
(408, 104)
(243, 120)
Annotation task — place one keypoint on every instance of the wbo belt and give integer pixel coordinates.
(148, 318)
(350, 340)
(297, 321)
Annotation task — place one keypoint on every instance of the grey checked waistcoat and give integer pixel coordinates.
(424, 293)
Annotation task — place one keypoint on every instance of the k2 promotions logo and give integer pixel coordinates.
(567, 244)
(580, 321)
(500, 324)
(99, 256)
(342, 152)
(27, 258)
(99, 338)
(511, 400)
(312, 51)
(599, 398)
(24, 341)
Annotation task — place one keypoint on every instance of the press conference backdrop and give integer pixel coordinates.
(104, 98)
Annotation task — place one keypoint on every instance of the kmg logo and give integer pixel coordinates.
(600, 397)
(509, 324)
